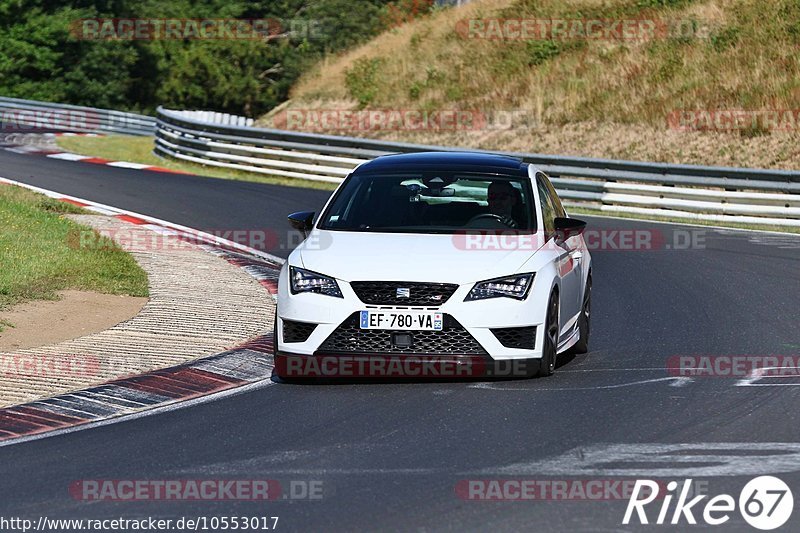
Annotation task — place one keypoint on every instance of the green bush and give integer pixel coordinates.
(361, 80)
(541, 51)
(725, 38)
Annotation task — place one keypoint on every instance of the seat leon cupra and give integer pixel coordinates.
(465, 260)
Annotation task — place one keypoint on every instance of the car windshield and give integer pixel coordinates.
(431, 202)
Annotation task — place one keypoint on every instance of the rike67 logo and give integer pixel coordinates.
(765, 503)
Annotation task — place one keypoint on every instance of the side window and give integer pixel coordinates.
(559, 209)
(342, 213)
(548, 209)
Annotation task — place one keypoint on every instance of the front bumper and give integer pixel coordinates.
(472, 329)
(393, 367)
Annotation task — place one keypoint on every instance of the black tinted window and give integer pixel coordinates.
(430, 202)
(548, 209)
(554, 199)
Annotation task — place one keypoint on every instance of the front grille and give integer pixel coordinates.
(297, 331)
(523, 338)
(385, 292)
(350, 338)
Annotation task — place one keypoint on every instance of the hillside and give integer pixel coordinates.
(705, 81)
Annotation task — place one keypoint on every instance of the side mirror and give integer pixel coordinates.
(302, 221)
(568, 227)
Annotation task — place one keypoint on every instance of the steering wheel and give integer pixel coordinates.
(506, 221)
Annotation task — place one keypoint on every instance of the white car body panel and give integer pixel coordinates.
(369, 256)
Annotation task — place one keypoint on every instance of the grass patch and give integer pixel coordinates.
(38, 260)
(682, 220)
(135, 149)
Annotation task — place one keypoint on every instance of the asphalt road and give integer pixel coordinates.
(390, 456)
(197, 202)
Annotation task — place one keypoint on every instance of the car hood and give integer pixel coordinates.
(354, 256)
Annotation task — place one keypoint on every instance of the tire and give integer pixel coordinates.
(275, 336)
(547, 364)
(276, 363)
(585, 320)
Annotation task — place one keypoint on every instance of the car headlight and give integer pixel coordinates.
(306, 281)
(516, 287)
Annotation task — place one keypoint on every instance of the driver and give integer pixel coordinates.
(503, 201)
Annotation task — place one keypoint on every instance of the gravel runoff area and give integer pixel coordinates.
(199, 305)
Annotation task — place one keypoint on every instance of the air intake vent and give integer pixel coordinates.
(297, 331)
(523, 338)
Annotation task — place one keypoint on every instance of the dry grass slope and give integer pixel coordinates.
(594, 97)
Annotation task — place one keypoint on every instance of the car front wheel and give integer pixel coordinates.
(584, 320)
(547, 365)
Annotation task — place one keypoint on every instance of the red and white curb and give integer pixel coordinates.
(246, 366)
(69, 156)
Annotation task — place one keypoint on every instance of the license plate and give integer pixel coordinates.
(405, 320)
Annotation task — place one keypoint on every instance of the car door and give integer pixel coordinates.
(568, 262)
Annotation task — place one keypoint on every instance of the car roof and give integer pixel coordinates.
(447, 161)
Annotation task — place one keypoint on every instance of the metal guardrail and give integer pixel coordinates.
(29, 115)
(755, 196)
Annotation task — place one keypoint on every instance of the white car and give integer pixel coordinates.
(454, 256)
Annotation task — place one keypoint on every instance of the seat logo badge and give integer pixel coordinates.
(403, 293)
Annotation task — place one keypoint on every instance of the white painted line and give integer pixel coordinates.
(161, 230)
(100, 210)
(758, 375)
(68, 156)
(125, 164)
(675, 382)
